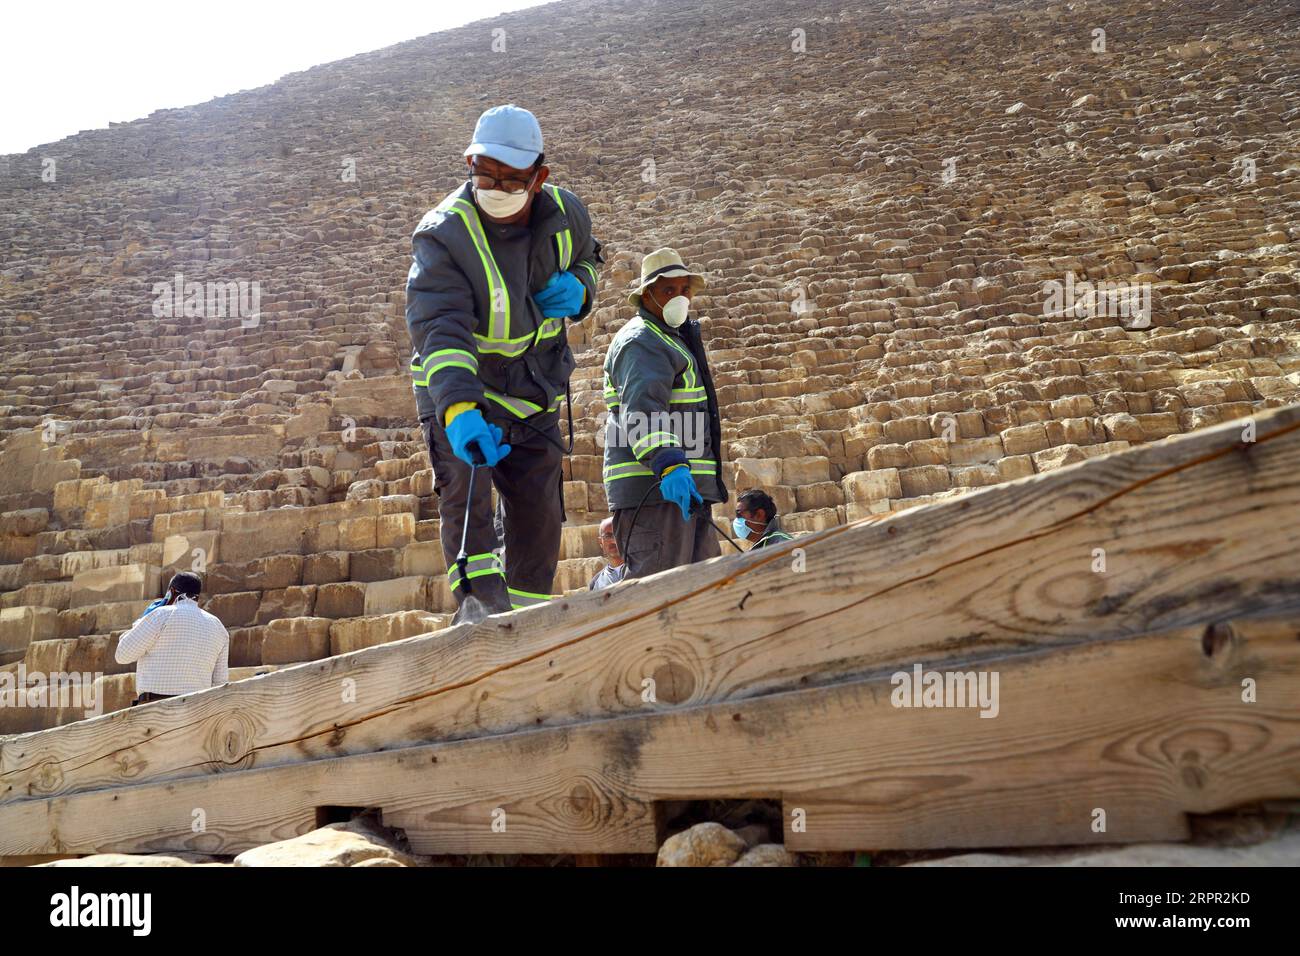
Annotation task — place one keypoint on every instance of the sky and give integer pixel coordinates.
(77, 65)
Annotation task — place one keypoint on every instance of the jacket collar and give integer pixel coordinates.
(659, 323)
(773, 527)
(546, 217)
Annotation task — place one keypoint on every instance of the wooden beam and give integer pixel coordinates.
(1192, 531)
(1147, 729)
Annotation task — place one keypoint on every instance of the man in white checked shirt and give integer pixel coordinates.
(179, 648)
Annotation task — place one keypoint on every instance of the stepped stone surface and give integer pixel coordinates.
(904, 210)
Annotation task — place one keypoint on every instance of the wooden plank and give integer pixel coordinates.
(1190, 528)
(1147, 729)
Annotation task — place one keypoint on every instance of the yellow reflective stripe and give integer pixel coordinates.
(627, 470)
(699, 466)
(520, 598)
(507, 347)
(498, 295)
(550, 328)
(476, 566)
(669, 439)
(690, 362)
(595, 279)
(457, 358)
(689, 395)
(563, 238)
(520, 407)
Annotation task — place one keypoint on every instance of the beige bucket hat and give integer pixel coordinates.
(663, 262)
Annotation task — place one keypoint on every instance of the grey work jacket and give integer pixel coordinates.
(476, 333)
(662, 411)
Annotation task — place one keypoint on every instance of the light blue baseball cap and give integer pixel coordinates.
(509, 134)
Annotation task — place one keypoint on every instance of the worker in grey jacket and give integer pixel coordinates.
(498, 266)
(663, 438)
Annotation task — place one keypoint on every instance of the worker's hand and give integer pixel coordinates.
(470, 434)
(678, 487)
(561, 296)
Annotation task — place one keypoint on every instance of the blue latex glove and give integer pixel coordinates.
(469, 432)
(155, 606)
(679, 487)
(561, 296)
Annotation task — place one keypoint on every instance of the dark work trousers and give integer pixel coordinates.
(528, 481)
(662, 540)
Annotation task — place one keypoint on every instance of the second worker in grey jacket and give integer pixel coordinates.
(663, 439)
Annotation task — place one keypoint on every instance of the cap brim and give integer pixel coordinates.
(697, 283)
(514, 158)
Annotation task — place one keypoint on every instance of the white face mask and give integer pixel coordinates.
(500, 204)
(675, 310)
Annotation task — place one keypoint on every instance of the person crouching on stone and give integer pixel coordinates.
(756, 520)
(178, 648)
(663, 440)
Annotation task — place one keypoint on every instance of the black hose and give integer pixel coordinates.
(701, 509)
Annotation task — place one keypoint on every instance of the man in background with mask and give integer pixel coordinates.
(663, 443)
(498, 266)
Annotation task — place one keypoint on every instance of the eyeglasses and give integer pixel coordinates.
(484, 180)
(605, 537)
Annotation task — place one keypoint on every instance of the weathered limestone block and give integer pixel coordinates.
(254, 535)
(1123, 427)
(398, 594)
(705, 844)
(575, 497)
(246, 646)
(338, 844)
(378, 564)
(757, 473)
(293, 602)
(974, 476)
(341, 599)
(974, 451)
(923, 480)
(360, 632)
(236, 609)
(1025, 439)
(1053, 458)
(1014, 466)
(394, 530)
(888, 456)
(423, 558)
(293, 639)
(860, 437)
(130, 582)
(28, 521)
(358, 534)
(868, 486)
(903, 430)
(823, 494)
(1074, 431)
(804, 471)
(117, 616)
(927, 451)
(325, 567)
(766, 854)
(1158, 425)
(194, 551)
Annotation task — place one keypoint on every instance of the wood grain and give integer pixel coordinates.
(1194, 530)
(1148, 729)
